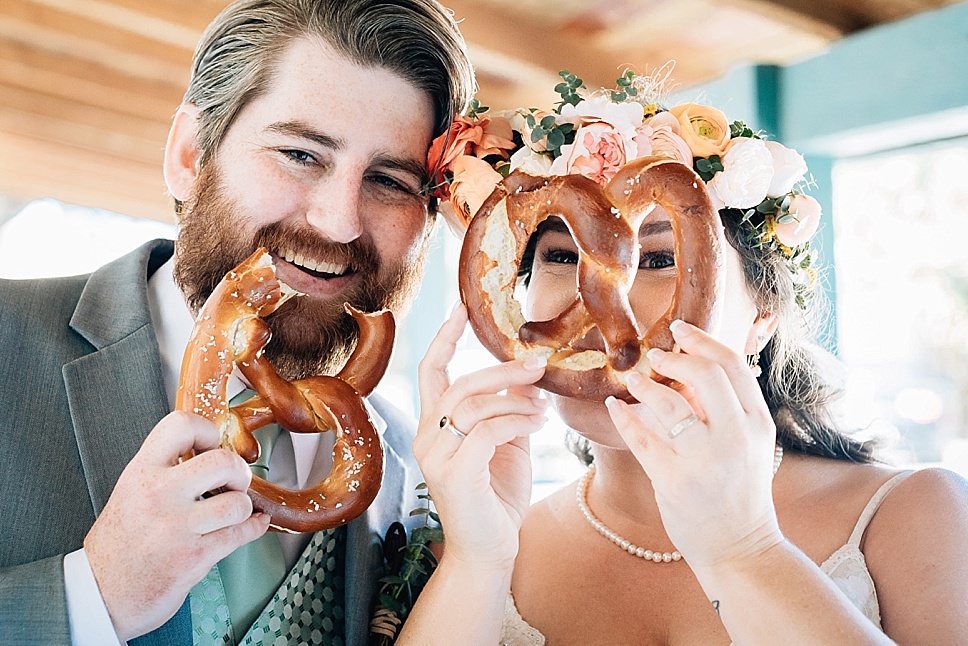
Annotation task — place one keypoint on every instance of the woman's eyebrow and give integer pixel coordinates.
(655, 228)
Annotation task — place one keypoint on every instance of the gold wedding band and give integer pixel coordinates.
(449, 425)
(683, 425)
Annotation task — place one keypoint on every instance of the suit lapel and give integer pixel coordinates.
(116, 393)
(364, 554)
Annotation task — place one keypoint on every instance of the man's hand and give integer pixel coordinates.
(156, 537)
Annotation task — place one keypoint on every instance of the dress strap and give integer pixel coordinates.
(873, 505)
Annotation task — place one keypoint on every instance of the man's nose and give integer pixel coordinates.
(335, 208)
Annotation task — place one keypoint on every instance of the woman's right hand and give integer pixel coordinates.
(480, 484)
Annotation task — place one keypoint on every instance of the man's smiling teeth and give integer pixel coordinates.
(312, 265)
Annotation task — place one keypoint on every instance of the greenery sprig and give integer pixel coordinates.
(409, 564)
(568, 90)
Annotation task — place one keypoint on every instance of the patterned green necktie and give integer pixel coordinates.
(233, 604)
(308, 608)
(229, 600)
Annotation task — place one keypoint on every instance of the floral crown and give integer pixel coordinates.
(759, 182)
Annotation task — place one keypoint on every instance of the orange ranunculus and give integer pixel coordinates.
(478, 136)
(474, 180)
(705, 129)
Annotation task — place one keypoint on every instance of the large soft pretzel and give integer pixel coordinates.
(605, 224)
(230, 332)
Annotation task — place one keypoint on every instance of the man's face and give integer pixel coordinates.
(325, 170)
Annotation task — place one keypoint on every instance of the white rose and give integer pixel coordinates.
(530, 162)
(746, 175)
(788, 168)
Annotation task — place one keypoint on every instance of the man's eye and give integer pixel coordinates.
(299, 156)
(388, 182)
(560, 256)
(657, 260)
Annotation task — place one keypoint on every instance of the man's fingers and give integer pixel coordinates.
(219, 511)
(175, 435)
(218, 469)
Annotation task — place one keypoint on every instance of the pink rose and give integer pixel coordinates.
(799, 228)
(659, 135)
(597, 153)
(474, 180)
(705, 129)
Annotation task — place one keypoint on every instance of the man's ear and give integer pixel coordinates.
(182, 155)
(761, 332)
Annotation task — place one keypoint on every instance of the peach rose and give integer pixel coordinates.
(598, 151)
(474, 180)
(805, 220)
(704, 128)
(659, 135)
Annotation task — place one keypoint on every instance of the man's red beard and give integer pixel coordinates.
(310, 335)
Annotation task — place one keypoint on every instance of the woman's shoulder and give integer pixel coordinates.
(929, 496)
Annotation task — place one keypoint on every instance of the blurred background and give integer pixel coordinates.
(871, 91)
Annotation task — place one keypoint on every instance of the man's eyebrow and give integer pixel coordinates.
(409, 166)
(301, 130)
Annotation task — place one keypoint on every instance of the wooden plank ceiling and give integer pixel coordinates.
(88, 87)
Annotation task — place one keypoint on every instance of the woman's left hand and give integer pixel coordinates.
(708, 448)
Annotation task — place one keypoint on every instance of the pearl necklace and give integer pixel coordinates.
(581, 497)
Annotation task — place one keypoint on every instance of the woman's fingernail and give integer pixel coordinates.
(654, 354)
(633, 379)
(680, 327)
(535, 362)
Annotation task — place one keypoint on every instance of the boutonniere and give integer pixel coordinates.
(408, 563)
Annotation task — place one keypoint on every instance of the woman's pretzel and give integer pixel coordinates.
(230, 332)
(605, 225)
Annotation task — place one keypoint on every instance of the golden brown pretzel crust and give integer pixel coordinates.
(605, 224)
(230, 332)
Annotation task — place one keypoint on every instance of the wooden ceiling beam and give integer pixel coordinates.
(31, 169)
(534, 47)
(93, 41)
(841, 17)
(58, 130)
(63, 76)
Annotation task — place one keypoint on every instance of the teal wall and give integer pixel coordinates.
(896, 85)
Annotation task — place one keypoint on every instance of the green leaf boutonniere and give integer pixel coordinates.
(409, 564)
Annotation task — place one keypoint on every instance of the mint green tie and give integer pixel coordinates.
(252, 573)
(249, 576)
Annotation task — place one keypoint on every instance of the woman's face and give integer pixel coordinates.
(553, 286)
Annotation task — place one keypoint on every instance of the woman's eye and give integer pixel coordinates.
(559, 256)
(657, 260)
(299, 156)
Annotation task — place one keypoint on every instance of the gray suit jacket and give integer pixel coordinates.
(80, 388)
